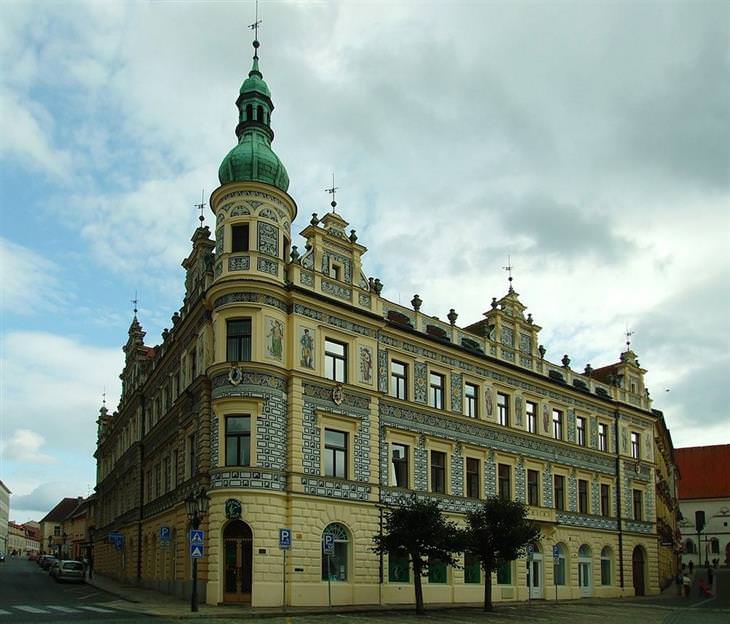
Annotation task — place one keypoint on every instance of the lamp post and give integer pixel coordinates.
(50, 543)
(196, 506)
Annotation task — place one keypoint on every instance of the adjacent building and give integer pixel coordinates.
(297, 396)
(4, 516)
(54, 528)
(704, 501)
(23, 539)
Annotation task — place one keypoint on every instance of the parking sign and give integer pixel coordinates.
(328, 544)
(164, 533)
(530, 549)
(556, 552)
(284, 539)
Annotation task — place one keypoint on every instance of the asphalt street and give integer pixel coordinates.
(29, 594)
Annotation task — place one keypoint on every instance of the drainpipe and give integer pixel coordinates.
(141, 491)
(616, 416)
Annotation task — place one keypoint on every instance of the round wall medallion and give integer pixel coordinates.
(235, 375)
(337, 395)
(233, 509)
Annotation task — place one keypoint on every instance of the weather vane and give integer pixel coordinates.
(255, 26)
(134, 301)
(200, 207)
(331, 190)
(103, 397)
(509, 268)
(628, 338)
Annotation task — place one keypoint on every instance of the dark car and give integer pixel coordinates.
(47, 562)
(67, 570)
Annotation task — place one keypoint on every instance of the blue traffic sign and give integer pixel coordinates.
(196, 551)
(165, 534)
(530, 549)
(328, 544)
(284, 538)
(556, 551)
(117, 539)
(197, 537)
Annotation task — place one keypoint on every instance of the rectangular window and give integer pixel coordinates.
(531, 414)
(472, 477)
(238, 342)
(583, 496)
(335, 360)
(398, 380)
(438, 472)
(238, 440)
(533, 488)
(605, 569)
(239, 237)
(505, 487)
(559, 492)
(334, 271)
(399, 464)
(504, 573)
(557, 424)
(398, 568)
(605, 500)
(436, 390)
(471, 400)
(635, 445)
(580, 430)
(472, 568)
(638, 507)
(166, 474)
(503, 409)
(437, 572)
(158, 480)
(192, 458)
(602, 437)
(335, 453)
(173, 473)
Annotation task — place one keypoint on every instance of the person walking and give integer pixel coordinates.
(691, 567)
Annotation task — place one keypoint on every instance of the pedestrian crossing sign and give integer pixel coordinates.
(197, 537)
(196, 552)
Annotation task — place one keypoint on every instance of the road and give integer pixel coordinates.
(29, 594)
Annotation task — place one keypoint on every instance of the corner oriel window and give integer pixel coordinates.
(503, 409)
(238, 440)
(335, 453)
(239, 238)
(436, 390)
(335, 360)
(471, 400)
(399, 464)
(398, 380)
(238, 340)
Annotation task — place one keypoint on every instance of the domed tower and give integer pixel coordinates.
(252, 207)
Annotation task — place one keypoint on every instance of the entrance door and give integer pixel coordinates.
(237, 562)
(637, 564)
(536, 581)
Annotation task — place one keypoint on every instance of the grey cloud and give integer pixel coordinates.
(42, 498)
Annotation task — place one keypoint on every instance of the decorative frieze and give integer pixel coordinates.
(249, 297)
(329, 257)
(248, 478)
(457, 392)
(268, 266)
(420, 382)
(268, 239)
(333, 288)
(239, 263)
(346, 490)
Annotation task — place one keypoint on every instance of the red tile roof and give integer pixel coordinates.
(61, 511)
(705, 471)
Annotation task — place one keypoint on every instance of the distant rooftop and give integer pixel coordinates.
(705, 471)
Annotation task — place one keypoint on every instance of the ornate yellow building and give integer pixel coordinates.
(669, 538)
(300, 398)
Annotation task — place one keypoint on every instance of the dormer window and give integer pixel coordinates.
(335, 271)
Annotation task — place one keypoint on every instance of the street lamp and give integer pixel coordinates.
(196, 506)
(50, 543)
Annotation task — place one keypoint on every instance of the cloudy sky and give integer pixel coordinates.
(589, 141)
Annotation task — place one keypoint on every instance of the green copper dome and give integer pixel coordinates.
(253, 160)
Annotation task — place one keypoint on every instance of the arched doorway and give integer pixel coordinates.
(535, 575)
(585, 572)
(638, 565)
(237, 562)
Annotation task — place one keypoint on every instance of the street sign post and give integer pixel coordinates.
(328, 548)
(284, 544)
(197, 537)
(556, 558)
(196, 551)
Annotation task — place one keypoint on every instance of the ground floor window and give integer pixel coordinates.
(504, 573)
(606, 566)
(560, 566)
(335, 565)
(398, 568)
(472, 568)
(437, 572)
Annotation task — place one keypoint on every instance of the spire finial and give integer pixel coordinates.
(331, 190)
(103, 397)
(509, 268)
(255, 28)
(629, 333)
(200, 207)
(134, 302)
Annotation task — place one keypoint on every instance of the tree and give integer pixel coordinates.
(496, 533)
(418, 530)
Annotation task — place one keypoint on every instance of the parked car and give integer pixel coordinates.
(68, 570)
(2, 557)
(33, 557)
(48, 561)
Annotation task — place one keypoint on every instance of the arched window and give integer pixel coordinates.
(584, 567)
(335, 565)
(560, 566)
(606, 565)
(260, 113)
(689, 547)
(249, 112)
(715, 546)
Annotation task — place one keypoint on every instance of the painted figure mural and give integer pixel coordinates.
(274, 338)
(306, 341)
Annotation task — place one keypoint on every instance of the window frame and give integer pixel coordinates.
(402, 462)
(637, 504)
(635, 445)
(471, 402)
(334, 358)
(559, 478)
(580, 430)
(533, 500)
(606, 558)
(241, 340)
(336, 451)
(398, 379)
(434, 471)
(603, 437)
(531, 416)
(557, 423)
(238, 436)
(338, 553)
(583, 496)
(501, 481)
(436, 391)
(246, 240)
(472, 475)
(503, 416)
(605, 500)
